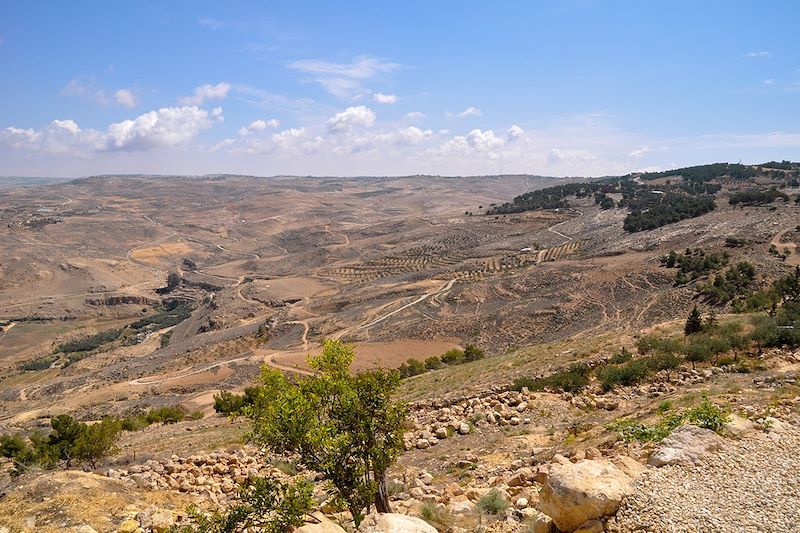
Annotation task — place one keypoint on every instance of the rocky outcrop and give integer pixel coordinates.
(687, 445)
(575, 493)
(395, 523)
(320, 525)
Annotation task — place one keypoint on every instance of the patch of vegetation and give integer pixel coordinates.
(666, 209)
(413, 367)
(752, 197)
(170, 315)
(169, 414)
(705, 415)
(264, 504)
(574, 379)
(41, 363)
(694, 263)
(492, 503)
(735, 283)
(635, 371)
(92, 342)
(228, 403)
(436, 516)
(69, 443)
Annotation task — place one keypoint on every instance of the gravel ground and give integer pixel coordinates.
(753, 485)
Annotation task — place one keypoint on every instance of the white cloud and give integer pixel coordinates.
(259, 125)
(207, 92)
(350, 118)
(166, 127)
(558, 156)
(384, 98)
(414, 115)
(468, 112)
(769, 82)
(404, 136)
(762, 53)
(126, 97)
(476, 141)
(344, 80)
(639, 153)
(514, 132)
(85, 87)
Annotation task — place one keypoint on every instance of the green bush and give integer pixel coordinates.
(492, 503)
(432, 363)
(453, 357)
(706, 415)
(473, 353)
(574, 379)
(620, 357)
(228, 403)
(169, 414)
(264, 504)
(436, 516)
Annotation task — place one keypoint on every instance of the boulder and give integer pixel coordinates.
(629, 465)
(322, 525)
(738, 427)
(574, 493)
(85, 528)
(687, 445)
(395, 523)
(591, 526)
(541, 524)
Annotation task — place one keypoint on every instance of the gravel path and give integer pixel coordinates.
(753, 485)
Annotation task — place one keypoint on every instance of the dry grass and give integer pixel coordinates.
(63, 500)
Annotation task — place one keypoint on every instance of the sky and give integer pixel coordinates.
(561, 88)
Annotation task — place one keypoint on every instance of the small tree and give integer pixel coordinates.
(473, 353)
(346, 426)
(97, 441)
(694, 322)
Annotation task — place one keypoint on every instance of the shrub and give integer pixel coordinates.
(436, 516)
(432, 363)
(492, 503)
(620, 357)
(573, 379)
(473, 353)
(453, 357)
(228, 403)
(265, 504)
(706, 415)
(196, 415)
(165, 415)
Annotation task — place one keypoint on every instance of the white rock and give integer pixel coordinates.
(572, 494)
(395, 523)
(687, 445)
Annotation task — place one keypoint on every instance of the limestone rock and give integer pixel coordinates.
(395, 523)
(738, 427)
(575, 493)
(687, 445)
(322, 525)
(591, 526)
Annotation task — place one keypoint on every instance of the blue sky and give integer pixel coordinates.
(573, 87)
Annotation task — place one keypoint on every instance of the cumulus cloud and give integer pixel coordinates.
(344, 80)
(207, 92)
(404, 136)
(468, 112)
(166, 127)
(514, 132)
(384, 98)
(476, 141)
(126, 97)
(762, 53)
(258, 125)
(350, 118)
